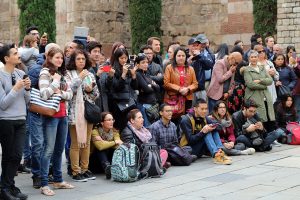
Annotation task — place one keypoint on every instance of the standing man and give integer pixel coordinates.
(269, 41)
(14, 95)
(202, 62)
(154, 42)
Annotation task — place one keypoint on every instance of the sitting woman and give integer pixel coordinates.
(225, 128)
(105, 140)
(137, 134)
(286, 112)
(147, 90)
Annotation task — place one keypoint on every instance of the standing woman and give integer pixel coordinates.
(257, 80)
(180, 82)
(269, 66)
(83, 84)
(52, 81)
(147, 88)
(122, 82)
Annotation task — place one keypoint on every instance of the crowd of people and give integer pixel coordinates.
(209, 104)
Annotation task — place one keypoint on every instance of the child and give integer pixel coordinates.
(30, 51)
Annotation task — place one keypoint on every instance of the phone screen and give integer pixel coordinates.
(106, 68)
(294, 55)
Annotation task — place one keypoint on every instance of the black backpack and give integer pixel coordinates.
(178, 156)
(151, 165)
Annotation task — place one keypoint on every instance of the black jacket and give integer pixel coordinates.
(147, 90)
(239, 120)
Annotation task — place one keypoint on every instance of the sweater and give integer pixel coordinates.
(12, 103)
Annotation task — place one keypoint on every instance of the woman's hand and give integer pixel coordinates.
(278, 83)
(133, 72)
(111, 72)
(118, 142)
(184, 91)
(228, 145)
(97, 138)
(56, 77)
(272, 72)
(88, 88)
(292, 61)
(257, 81)
(83, 74)
(99, 71)
(125, 70)
(225, 96)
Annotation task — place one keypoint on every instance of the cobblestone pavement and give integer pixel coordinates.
(265, 176)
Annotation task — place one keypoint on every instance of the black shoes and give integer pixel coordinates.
(36, 182)
(79, 178)
(88, 175)
(106, 166)
(12, 193)
(23, 169)
(16, 192)
(194, 158)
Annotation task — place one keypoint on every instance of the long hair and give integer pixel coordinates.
(115, 63)
(222, 51)
(115, 46)
(174, 63)
(282, 107)
(72, 63)
(49, 64)
(215, 113)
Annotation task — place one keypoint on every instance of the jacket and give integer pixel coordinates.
(29, 56)
(153, 70)
(287, 76)
(200, 63)
(34, 71)
(128, 136)
(239, 120)
(103, 144)
(259, 91)
(190, 135)
(147, 90)
(296, 90)
(172, 81)
(220, 75)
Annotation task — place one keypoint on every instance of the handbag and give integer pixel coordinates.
(283, 90)
(177, 102)
(44, 107)
(293, 136)
(92, 112)
(124, 106)
(152, 113)
(178, 156)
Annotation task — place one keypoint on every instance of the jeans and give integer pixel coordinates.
(213, 142)
(55, 134)
(268, 139)
(211, 104)
(37, 140)
(297, 105)
(142, 108)
(27, 146)
(12, 139)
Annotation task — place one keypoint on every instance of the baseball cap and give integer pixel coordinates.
(191, 41)
(201, 38)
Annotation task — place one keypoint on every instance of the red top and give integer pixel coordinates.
(181, 70)
(62, 110)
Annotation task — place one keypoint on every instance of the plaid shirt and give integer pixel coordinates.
(164, 134)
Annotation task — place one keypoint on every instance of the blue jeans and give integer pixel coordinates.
(27, 147)
(37, 140)
(213, 142)
(55, 134)
(142, 108)
(297, 106)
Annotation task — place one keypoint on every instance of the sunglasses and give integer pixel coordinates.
(261, 51)
(13, 79)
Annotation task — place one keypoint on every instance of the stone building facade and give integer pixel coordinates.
(288, 23)
(108, 20)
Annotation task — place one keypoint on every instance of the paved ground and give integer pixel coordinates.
(265, 176)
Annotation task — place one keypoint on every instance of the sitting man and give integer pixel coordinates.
(199, 132)
(164, 131)
(249, 130)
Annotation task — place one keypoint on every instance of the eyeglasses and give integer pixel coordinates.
(13, 79)
(222, 107)
(109, 120)
(148, 53)
(262, 51)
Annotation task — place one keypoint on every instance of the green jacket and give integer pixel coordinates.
(259, 91)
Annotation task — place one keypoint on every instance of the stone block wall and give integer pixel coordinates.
(108, 20)
(288, 23)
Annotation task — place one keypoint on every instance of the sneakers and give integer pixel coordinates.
(36, 182)
(23, 169)
(276, 144)
(16, 192)
(167, 165)
(248, 151)
(221, 158)
(79, 178)
(88, 175)
(107, 172)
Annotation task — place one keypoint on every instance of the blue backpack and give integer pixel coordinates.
(125, 163)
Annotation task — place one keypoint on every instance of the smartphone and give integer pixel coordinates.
(294, 55)
(106, 68)
(25, 76)
(131, 57)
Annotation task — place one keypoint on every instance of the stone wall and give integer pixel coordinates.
(9, 21)
(288, 23)
(108, 20)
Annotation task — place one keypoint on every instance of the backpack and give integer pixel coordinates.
(178, 156)
(293, 136)
(125, 163)
(151, 165)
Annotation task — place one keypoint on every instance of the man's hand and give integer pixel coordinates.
(208, 128)
(27, 83)
(259, 126)
(19, 85)
(251, 128)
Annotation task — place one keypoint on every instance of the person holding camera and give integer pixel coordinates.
(249, 129)
(122, 83)
(199, 132)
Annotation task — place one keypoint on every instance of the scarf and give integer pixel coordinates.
(106, 136)
(226, 123)
(80, 121)
(143, 134)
